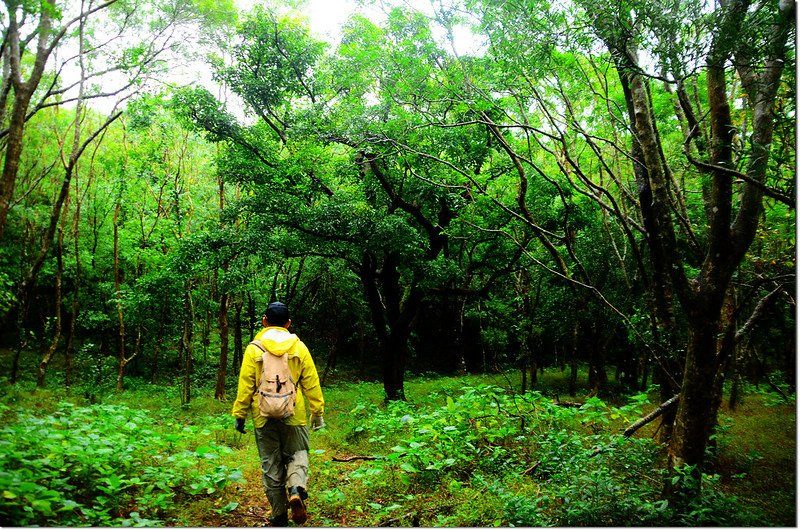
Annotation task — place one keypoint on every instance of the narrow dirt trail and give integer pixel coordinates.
(253, 508)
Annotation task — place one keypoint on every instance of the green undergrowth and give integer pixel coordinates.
(483, 456)
(461, 451)
(104, 464)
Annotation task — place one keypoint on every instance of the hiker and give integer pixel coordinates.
(282, 441)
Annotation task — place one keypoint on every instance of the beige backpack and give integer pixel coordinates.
(277, 391)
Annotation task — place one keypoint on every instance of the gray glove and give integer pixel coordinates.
(317, 422)
(239, 426)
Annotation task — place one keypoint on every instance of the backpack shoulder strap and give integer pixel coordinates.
(259, 345)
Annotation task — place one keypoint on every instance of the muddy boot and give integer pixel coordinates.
(297, 497)
(279, 520)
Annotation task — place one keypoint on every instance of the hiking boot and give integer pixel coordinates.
(279, 520)
(296, 496)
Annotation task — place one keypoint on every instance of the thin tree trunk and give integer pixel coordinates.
(103, 353)
(23, 306)
(330, 365)
(660, 410)
(74, 313)
(122, 361)
(159, 341)
(224, 299)
(206, 341)
(573, 361)
(219, 390)
(237, 336)
(733, 399)
(462, 361)
(644, 368)
(186, 344)
(534, 366)
(48, 356)
(251, 315)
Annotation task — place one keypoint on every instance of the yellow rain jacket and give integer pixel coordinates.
(278, 340)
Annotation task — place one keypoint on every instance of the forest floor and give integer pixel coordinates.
(755, 463)
(461, 452)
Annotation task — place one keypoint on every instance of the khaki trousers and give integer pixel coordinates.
(283, 450)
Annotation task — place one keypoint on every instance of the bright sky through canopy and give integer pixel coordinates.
(325, 18)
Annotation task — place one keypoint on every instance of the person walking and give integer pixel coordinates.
(282, 442)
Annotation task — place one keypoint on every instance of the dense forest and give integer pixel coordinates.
(585, 215)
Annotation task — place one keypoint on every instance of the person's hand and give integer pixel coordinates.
(239, 426)
(317, 422)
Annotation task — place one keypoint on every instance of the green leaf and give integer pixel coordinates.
(229, 507)
(42, 506)
(405, 466)
(69, 504)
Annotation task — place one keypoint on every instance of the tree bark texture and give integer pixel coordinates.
(237, 335)
(23, 91)
(701, 298)
(122, 360)
(186, 344)
(222, 371)
(392, 316)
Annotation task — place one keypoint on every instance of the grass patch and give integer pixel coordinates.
(757, 457)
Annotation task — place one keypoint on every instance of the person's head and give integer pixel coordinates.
(277, 315)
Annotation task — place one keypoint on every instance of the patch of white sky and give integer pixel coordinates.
(326, 18)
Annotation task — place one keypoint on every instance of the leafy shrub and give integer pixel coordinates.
(103, 465)
(546, 465)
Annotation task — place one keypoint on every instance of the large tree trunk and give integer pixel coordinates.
(23, 91)
(728, 239)
(394, 356)
(695, 416)
(393, 316)
(659, 292)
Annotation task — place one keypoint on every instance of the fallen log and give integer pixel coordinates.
(661, 409)
(567, 404)
(777, 389)
(394, 521)
(354, 458)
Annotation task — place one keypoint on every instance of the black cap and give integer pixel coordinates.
(277, 314)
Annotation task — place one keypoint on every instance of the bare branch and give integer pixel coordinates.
(769, 192)
(762, 306)
(661, 409)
